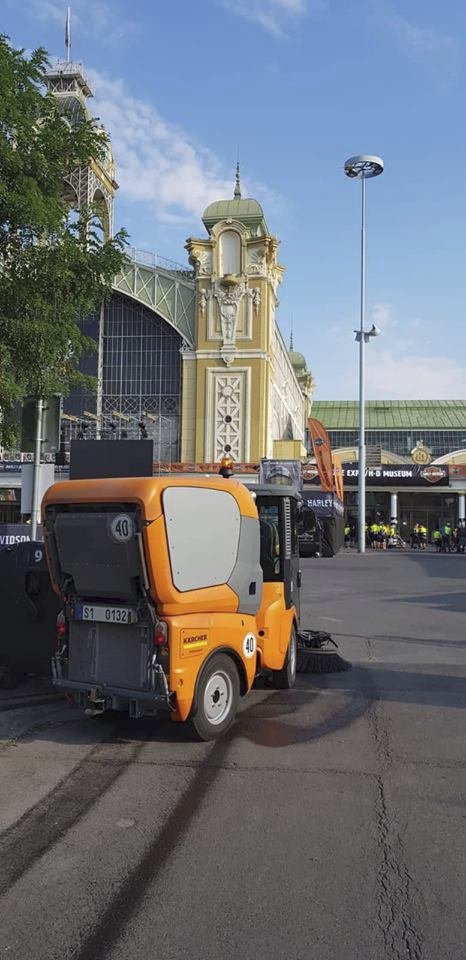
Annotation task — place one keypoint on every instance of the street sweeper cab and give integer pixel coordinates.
(175, 593)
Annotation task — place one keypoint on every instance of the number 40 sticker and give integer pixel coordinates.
(121, 528)
(249, 645)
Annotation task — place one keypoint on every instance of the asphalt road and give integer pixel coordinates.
(329, 825)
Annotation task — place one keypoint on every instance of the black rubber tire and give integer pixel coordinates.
(202, 727)
(285, 678)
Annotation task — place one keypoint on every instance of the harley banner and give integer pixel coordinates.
(323, 454)
(399, 475)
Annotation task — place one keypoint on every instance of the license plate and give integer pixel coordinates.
(104, 614)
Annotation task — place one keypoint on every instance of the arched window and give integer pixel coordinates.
(230, 253)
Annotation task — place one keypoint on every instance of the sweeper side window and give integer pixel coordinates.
(203, 532)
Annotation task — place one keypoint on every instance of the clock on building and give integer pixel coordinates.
(421, 454)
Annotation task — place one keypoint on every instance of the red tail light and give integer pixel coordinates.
(160, 634)
(61, 626)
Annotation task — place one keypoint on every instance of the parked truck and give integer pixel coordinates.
(174, 594)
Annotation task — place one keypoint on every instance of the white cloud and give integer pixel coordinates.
(88, 17)
(158, 163)
(437, 51)
(383, 316)
(405, 372)
(274, 15)
(50, 10)
(404, 376)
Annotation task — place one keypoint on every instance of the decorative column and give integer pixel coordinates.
(461, 506)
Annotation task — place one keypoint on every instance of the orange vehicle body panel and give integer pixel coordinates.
(148, 494)
(200, 621)
(193, 638)
(274, 622)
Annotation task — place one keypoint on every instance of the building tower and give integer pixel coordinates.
(90, 185)
(240, 391)
(305, 380)
(94, 183)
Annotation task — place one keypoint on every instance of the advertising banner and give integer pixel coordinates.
(13, 533)
(10, 466)
(209, 467)
(323, 453)
(284, 472)
(323, 504)
(338, 477)
(399, 475)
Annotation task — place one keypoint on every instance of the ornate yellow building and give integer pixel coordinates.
(243, 393)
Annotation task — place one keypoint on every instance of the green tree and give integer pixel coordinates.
(54, 269)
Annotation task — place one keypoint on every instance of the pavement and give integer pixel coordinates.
(330, 823)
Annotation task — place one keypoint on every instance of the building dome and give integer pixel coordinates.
(298, 361)
(243, 209)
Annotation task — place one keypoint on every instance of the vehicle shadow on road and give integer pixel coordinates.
(277, 719)
(454, 602)
(366, 686)
(274, 720)
(447, 566)
(399, 685)
(393, 638)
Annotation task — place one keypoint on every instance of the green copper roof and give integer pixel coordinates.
(392, 414)
(298, 360)
(245, 210)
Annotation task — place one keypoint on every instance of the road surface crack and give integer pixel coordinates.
(396, 891)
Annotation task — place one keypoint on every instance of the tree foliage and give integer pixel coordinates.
(54, 269)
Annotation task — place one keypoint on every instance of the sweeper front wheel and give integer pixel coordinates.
(285, 678)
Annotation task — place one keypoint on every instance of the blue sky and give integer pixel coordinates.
(297, 86)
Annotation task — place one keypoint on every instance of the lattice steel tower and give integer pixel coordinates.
(94, 183)
(91, 185)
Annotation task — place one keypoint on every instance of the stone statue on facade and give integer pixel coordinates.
(257, 264)
(229, 298)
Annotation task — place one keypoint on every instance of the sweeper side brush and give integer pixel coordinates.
(317, 653)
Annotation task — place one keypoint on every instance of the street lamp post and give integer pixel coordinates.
(363, 167)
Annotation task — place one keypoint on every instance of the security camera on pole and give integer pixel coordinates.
(363, 167)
